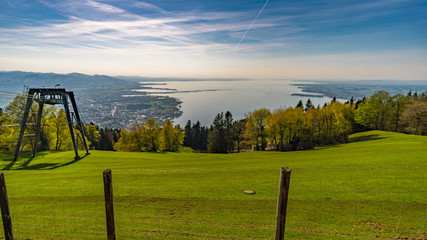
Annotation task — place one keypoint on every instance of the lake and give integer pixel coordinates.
(203, 100)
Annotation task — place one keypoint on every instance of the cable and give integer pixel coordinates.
(8, 93)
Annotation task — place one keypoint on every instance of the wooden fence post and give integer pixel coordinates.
(108, 193)
(282, 202)
(5, 214)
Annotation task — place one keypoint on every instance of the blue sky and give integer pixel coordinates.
(379, 39)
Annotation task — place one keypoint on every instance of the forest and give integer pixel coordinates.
(284, 129)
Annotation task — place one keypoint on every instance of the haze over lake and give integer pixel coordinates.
(202, 100)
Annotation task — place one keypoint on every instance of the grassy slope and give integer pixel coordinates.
(372, 187)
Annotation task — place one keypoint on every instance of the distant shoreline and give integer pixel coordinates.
(307, 95)
(357, 89)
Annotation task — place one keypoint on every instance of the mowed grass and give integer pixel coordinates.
(373, 187)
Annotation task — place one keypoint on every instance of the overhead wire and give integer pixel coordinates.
(8, 93)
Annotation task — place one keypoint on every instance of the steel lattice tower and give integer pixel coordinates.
(51, 96)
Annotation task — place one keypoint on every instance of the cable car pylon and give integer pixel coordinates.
(51, 96)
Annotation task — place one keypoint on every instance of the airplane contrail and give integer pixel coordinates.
(250, 26)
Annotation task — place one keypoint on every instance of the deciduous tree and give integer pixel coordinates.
(256, 131)
(171, 138)
(414, 116)
(374, 111)
(397, 106)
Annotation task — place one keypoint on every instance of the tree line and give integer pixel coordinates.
(294, 128)
(397, 113)
(306, 126)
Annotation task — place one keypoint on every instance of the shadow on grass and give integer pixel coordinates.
(27, 155)
(366, 138)
(67, 163)
(9, 166)
(41, 166)
(326, 147)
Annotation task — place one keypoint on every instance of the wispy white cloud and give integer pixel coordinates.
(175, 33)
(13, 4)
(88, 9)
(103, 7)
(341, 12)
(149, 6)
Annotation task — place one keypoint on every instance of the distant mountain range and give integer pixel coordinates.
(16, 80)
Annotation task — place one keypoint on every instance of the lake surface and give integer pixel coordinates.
(203, 100)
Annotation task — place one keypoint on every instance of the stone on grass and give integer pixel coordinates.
(249, 192)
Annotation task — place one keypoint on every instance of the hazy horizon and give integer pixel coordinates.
(136, 78)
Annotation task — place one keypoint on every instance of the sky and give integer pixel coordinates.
(256, 39)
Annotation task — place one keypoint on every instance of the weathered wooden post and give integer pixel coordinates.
(282, 202)
(108, 193)
(5, 214)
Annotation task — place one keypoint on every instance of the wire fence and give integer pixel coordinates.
(209, 203)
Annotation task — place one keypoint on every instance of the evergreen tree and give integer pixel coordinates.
(204, 132)
(228, 135)
(188, 139)
(108, 138)
(308, 105)
(216, 137)
(239, 132)
(196, 136)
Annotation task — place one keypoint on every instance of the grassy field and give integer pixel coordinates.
(373, 187)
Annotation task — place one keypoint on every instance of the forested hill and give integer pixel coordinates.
(15, 80)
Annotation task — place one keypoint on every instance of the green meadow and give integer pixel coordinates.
(373, 187)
